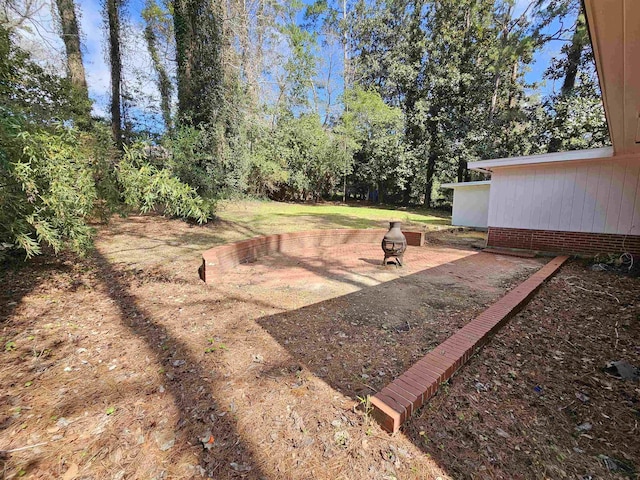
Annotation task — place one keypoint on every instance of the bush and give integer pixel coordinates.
(53, 177)
(145, 187)
(47, 189)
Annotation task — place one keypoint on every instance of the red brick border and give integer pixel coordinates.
(396, 402)
(563, 242)
(510, 253)
(414, 239)
(228, 256)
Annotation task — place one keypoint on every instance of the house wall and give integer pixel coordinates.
(471, 206)
(601, 196)
(597, 197)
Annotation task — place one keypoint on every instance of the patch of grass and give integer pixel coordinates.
(156, 237)
(273, 217)
(367, 408)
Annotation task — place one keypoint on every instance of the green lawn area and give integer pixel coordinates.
(150, 239)
(275, 217)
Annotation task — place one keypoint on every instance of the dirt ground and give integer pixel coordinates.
(537, 402)
(124, 365)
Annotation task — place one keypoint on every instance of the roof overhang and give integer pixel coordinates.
(465, 184)
(614, 27)
(572, 156)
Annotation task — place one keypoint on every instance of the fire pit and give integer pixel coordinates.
(394, 244)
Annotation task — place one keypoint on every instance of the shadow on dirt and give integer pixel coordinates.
(360, 341)
(19, 278)
(194, 402)
(372, 261)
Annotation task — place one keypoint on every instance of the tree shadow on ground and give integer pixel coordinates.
(20, 278)
(194, 391)
(333, 270)
(361, 341)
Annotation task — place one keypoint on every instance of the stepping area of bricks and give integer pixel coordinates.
(396, 402)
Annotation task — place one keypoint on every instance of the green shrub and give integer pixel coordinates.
(145, 187)
(47, 189)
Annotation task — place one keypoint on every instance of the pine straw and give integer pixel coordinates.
(513, 411)
(190, 361)
(211, 392)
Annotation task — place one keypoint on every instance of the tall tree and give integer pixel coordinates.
(387, 47)
(156, 21)
(573, 57)
(413, 87)
(198, 31)
(115, 61)
(71, 39)
(376, 128)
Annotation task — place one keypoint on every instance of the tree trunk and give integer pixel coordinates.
(184, 53)
(578, 42)
(494, 97)
(346, 67)
(463, 171)
(71, 39)
(432, 128)
(406, 195)
(431, 169)
(200, 56)
(414, 91)
(514, 79)
(574, 55)
(115, 59)
(164, 82)
(250, 55)
(496, 77)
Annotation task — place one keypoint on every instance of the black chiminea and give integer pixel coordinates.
(394, 244)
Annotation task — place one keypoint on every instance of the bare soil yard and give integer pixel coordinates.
(537, 401)
(125, 365)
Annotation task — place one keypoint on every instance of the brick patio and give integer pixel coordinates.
(341, 269)
(292, 278)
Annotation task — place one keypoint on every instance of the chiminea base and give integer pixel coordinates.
(393, 260)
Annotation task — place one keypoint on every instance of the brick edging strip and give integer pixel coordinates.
(512, 253)
(396, 402)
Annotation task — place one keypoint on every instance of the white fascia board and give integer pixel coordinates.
(575, 155)
(465, 184)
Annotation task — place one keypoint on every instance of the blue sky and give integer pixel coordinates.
(46, 44)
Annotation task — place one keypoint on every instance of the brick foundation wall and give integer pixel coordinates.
(563, 242)
(220, 258)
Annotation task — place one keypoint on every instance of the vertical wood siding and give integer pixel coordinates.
(598, 196)
(471, 206)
